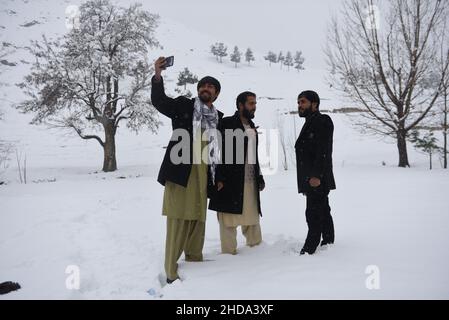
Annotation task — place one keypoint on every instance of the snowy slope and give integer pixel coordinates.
(110, 225)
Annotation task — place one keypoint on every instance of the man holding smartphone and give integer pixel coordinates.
(189, 183)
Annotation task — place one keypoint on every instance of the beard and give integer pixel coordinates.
(248, 114)
(305, 113)
(205, 97)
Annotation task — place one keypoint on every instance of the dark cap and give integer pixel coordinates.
(310, 95)
(209, 80)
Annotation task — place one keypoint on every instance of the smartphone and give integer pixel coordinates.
(169, 61)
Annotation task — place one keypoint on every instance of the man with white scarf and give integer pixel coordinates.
(187, 175)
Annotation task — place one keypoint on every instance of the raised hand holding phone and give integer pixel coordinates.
(161, 64)
(169, 61)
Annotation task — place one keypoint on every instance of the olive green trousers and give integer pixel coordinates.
(183, 236)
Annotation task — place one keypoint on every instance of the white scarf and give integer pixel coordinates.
(207, 118)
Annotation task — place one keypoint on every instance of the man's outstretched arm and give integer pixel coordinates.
(164, 104)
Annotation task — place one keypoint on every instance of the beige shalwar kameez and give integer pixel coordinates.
(249, 219)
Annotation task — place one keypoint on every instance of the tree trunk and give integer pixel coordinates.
(445, 127)
(430, 160)
(284, 151)
(402, 149)
(445, 148)
(109, 162)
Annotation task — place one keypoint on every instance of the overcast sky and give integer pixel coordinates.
(260, 24)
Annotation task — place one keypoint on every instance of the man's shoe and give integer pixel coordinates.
(304, 251)
(171, 281)
(6, 287)
(325, 243)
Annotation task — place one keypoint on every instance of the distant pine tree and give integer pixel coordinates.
(236, 56)
(299, 61)
(214, 51)
(280, 59)
(271, 57)
(288, 61)
(249, 56)
(221, 50)
(186, 77)
(426, 144)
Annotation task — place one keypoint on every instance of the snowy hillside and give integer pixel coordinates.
(110, 225)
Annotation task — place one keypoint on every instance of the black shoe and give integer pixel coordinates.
(304, 251)
(171, 281)
(324, 243)
(6, 287)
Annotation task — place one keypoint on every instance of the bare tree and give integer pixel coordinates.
(21, 168)
(444, 122)
(282, 138)
(385, 64)
(444, 72)
(96, 75)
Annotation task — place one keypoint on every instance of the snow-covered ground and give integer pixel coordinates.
(112, 229)
(110, 225)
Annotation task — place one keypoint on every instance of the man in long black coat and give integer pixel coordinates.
(187, 182)
(314, 170)
(239, 178)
